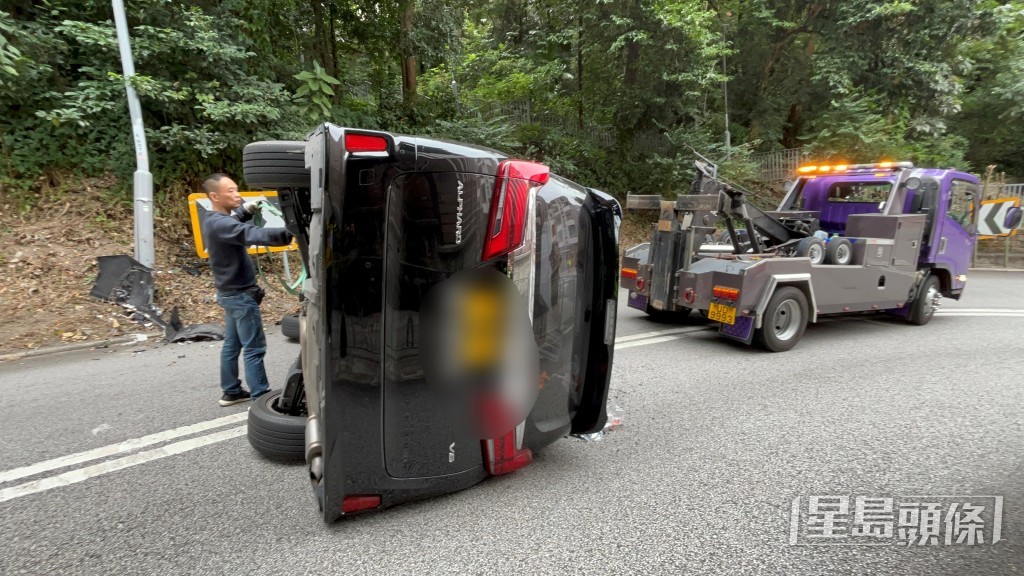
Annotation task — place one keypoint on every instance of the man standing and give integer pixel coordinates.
(227, 234)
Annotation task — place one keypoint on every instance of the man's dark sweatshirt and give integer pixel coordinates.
(227, 238)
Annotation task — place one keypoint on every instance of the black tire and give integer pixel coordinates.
(276, 164)
(925, 303)
(784, 321)
(273, 434)
(813, 248)
(839, 251)
(290, 326)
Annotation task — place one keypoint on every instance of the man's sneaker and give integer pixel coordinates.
(232, 399)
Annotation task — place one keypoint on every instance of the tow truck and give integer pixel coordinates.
(881, 237)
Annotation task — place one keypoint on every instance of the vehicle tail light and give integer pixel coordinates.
(502, 457)
(355, 142)
(509, 209)
(628, 273)
(726, 293)
(357, 503)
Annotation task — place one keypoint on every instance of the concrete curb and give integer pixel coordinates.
(67, 348)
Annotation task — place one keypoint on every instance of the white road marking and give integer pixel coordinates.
(986, 314)
(658, 333)
(83, 474)
(121, 447)
(657, 340)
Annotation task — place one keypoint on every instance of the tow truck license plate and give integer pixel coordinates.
(722, 313)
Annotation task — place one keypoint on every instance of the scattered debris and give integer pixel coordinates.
(127, 283)
(613, 423)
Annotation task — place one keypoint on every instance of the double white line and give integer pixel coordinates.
(129, 457)
(82, 474)
(133, 458)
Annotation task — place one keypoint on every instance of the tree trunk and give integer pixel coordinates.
(579, 65)
(408, 57)
(319, 35)
(332, 45)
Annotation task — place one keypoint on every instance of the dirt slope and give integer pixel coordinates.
(48, 266)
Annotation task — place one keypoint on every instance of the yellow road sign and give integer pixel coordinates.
(199, 203)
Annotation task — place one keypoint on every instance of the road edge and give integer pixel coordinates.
(13, 356)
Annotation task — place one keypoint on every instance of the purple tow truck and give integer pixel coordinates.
(868, 237)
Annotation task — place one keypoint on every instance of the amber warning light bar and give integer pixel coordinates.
(839, 168)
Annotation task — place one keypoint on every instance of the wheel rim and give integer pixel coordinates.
(786, 320)
(843, 254)
(931, 300)
(815, 253)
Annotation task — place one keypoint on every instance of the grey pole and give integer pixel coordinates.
(143, 181)
(725, 94)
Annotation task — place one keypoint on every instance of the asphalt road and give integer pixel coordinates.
(718, 441)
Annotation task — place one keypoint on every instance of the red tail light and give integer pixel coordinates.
(502, 457)
(365, 143)
(357, 503)
(505, 230)
(628, 273)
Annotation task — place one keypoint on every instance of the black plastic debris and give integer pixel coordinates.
(124, 281)
(176, 332)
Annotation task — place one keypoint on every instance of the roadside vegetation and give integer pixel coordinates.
(612, 93)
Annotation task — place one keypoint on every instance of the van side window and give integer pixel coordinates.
(962, 196)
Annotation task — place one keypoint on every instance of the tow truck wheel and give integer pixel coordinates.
(784, 320)
(813, 248)
(926, 302)
(839, 251)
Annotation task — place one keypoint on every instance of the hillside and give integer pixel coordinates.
(48, 266)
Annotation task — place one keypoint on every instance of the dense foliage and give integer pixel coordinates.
(614, 93)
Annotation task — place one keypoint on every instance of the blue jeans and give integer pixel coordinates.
(243, 330)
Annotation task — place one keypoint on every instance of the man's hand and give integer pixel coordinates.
(251, 207)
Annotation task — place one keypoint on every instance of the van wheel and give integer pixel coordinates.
(839, 251)
(784, 320)
(926, 303)
(813, 248)
(276, 435)
(290, 326)
(276, 164)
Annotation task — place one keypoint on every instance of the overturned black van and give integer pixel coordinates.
(459, 313)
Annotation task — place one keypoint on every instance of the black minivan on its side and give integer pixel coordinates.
(459, 312)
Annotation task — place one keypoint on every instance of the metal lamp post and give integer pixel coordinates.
(143, 180)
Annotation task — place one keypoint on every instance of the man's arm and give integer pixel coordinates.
(234, 232)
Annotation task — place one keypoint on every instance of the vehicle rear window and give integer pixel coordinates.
(859, 192)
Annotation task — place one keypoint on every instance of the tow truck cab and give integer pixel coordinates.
(948, 199)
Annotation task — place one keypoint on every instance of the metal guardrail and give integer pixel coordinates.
(781, 165)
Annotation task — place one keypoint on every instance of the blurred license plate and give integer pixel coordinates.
(722, 313)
